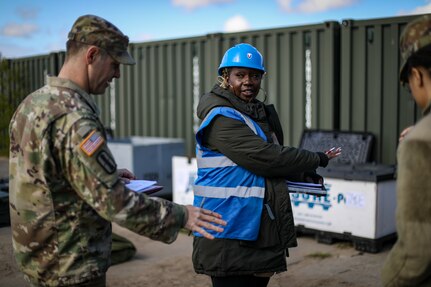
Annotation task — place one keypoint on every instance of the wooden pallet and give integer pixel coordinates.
(359, 243)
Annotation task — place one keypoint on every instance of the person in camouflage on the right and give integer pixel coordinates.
(409, 261)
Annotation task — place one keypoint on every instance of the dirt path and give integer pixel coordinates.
(156, 264)
(310, 264)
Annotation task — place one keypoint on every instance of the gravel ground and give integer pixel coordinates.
(311, 264)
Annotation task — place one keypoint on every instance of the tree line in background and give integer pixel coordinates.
(11, 93)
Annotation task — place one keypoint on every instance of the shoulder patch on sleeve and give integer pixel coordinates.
(107, 162)
(92, 143)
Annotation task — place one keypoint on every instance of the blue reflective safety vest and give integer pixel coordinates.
(226, 188)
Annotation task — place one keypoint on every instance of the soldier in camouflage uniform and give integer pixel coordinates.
(409, 261)
(65, 188)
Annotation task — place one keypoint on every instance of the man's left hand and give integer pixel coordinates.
(125, 175)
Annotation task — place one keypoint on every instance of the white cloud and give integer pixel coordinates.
(236, 23)
(285, 5)
(27, 12)
(18, 30)
(314, 6)
(193, 4)
(422, 9)
(143, 37)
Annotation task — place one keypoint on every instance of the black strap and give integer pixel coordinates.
(274, 122)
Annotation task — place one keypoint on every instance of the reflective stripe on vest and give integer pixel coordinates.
(224, 187)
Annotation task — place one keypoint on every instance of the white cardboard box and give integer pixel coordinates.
(184, 171)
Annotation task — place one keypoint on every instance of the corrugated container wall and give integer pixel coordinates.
(155, 96)
(32, 73)
(22, 76)
(372, 100)
(302, 66)
(158, 96)
(327, 76)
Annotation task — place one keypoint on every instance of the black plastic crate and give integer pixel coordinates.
(369, 172)
(4, 184)
(4, 202)
(4, 209)
(359, 243)
(356, 147)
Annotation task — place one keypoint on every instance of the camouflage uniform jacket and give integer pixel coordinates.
(409, 261)
(65, 190)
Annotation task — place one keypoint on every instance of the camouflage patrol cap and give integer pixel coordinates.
(416, 35)
(94, 30)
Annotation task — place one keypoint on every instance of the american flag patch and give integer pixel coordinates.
(91, 143)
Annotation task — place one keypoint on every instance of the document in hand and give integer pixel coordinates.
(307, 188)
(145, 186)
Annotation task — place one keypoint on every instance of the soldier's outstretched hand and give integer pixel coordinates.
(199, 218)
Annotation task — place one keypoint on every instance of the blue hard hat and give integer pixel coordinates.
(242, 55)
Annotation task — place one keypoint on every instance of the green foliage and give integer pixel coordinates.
(345, 245)
(10, 95)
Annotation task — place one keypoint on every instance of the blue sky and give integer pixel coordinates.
(29, 28)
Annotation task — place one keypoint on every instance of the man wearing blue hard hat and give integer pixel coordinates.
(242, 172)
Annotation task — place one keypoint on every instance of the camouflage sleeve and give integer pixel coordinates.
(91, 170)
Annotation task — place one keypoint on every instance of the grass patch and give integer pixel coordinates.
(344, 245)
(319, 255)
